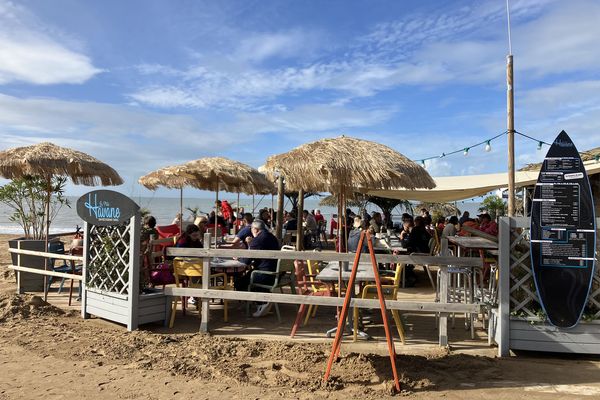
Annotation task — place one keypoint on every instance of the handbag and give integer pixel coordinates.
(162, 275)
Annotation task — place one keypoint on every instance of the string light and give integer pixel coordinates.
(487, 143)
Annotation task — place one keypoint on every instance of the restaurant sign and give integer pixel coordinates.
(106, 208)
(563, 234)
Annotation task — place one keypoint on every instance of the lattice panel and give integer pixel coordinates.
(524, 301)
(109, 255)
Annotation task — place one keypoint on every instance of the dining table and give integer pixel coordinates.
(364, 274)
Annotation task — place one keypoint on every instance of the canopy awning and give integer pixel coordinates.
(453, 188)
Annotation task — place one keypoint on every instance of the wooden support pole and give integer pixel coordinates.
(510, 120)
(300, 234)
(280, 199)
(204, 307)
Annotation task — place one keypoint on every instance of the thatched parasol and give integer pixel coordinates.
(348, 164)
(172, 178)
(216, 173)
(47, 160)
(345, 165)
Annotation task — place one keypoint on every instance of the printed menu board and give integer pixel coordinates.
(563, 234)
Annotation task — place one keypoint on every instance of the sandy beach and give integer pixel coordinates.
(50, 351)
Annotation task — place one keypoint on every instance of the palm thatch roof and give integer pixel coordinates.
(444, 209)
(358, 200)
(47, 159)
(587, 155)
(229, 175)
(169, 177)
(349, 164)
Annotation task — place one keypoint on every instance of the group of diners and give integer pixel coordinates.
(415, 235)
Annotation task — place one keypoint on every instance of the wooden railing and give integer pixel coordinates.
(66, 257)
(443, 307)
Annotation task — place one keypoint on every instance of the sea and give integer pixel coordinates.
(164, 209)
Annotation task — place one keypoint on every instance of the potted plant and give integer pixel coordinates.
(26, 197)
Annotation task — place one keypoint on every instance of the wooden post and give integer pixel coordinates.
(47, 227)
(443, 322)
(280, 199)
(134, 272)
(237, 214)
(511, 134)
(216, 211)
(300, 234)
(86, 257)
(504, 287)
(181, 210)
(204, 308)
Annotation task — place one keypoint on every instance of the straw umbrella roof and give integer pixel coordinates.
(170, 177)
(47, 159)
(232, 176)
(349, 163)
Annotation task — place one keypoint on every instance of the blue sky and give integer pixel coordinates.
(145, 84)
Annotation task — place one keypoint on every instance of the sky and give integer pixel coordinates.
(145, 84)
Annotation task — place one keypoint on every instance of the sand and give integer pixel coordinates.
(52, 352)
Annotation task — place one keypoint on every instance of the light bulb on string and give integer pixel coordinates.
(539, 146)
(442, 155)
(488, 146)
(423, 164)
(466, 152)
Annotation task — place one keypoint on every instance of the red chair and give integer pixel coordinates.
(221, 230)
(166, 231)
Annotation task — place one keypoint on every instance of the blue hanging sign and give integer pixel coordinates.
(106, 208)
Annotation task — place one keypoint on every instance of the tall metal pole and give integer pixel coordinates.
(510, 120)
(280, 199)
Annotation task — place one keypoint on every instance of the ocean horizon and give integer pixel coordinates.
(164, 209)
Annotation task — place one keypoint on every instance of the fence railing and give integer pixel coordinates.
(442, 307)
(22, 268)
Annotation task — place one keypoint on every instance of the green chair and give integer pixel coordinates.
(284, 276)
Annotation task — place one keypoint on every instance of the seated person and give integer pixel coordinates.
(201, 222)
(465, 217)
(487, 225)
(376, 223)
(406, 227)
(265, 216)
(354, 236)
(241, 239)
(191, 237)
(310, 221)
(450, 228)
(149, 228)
(417, 240)
(291, 224)
(318, 216)
(262, 239)
(470, 223)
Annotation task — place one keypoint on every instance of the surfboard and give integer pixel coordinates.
(563, 234)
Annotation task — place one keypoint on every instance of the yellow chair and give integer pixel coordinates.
(191, 269)
(316, 287)
(390, 292)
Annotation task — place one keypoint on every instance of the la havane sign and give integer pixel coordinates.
(106, 208)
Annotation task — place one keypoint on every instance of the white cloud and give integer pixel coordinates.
(31, 53)
(136, 141)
